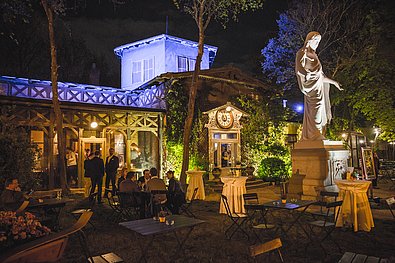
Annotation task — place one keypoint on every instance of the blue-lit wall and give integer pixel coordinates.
(165, 52)
(154, 50)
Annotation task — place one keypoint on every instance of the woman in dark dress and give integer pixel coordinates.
(175, 196)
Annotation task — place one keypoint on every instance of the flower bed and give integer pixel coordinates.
(18, 229)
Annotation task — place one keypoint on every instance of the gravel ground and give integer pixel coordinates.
(207, 242)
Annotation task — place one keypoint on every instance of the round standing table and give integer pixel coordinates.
(355, 209)
(233, 189)
(195, 180)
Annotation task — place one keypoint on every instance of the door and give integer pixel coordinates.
(87, 146)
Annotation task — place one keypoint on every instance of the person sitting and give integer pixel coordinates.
(12, 197)
(122, 178)
(131, 194)
(156, 184)
(143, 180)
(130, 183)
(175, 196)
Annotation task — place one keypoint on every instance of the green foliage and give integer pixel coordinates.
(263, 134)
(273, 168)
(220, 10)
(176, 101)
(174, 157)
(17, 157)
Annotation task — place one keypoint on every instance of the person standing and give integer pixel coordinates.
(71, 170)
(88, 173)
(112, 164)
(97, 169)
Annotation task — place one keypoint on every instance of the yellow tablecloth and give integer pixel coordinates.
(355, 209)
(233, 189)
(195, 180)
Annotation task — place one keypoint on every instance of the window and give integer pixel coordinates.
(148, 69)
(136, 72)
(37, 137)
(185, 64)
(142, 70)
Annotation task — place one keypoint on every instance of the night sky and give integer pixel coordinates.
(104, 28)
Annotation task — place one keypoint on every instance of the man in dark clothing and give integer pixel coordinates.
(112, 164)
(130, 183)
(12, 197)
(97, 173)
(134, 196)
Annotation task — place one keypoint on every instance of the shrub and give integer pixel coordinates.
(17, 157)
(273, 169)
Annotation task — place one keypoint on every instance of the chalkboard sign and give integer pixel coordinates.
(369, 171)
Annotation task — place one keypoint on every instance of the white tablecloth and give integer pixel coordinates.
(233, 189)
(195, 180)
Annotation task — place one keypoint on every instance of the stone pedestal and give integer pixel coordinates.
(320, 162)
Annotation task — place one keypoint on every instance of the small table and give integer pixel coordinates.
(195, 181)
(233, 189)
(152, 228)
(290, 206)
(355, 209)
(50, 208)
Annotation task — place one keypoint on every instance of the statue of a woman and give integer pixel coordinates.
(315, 86)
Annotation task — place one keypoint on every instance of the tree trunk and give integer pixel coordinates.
(55, 99)
(191, 104)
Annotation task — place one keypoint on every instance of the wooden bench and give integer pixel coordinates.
(107, 258)
(350, 257)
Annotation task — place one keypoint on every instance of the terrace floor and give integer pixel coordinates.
(207, 242)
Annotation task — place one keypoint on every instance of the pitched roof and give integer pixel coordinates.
(228, 74)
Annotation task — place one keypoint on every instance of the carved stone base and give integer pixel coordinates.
(321, 162)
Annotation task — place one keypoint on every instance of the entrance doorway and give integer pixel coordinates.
(87, 146)
(225, 154)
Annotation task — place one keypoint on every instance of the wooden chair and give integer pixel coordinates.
(186, 208)
(106, 258)
(22, 207)
(349, 257)
(78, 212)
(269, 246)
(390, 202)
(46, 249)
(237, 220)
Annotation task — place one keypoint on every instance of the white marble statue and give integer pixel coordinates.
(315, 86)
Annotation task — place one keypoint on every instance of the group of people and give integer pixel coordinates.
(149, 182)
(95, 168)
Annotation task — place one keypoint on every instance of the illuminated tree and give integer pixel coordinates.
(203, 11)
(51, 7)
